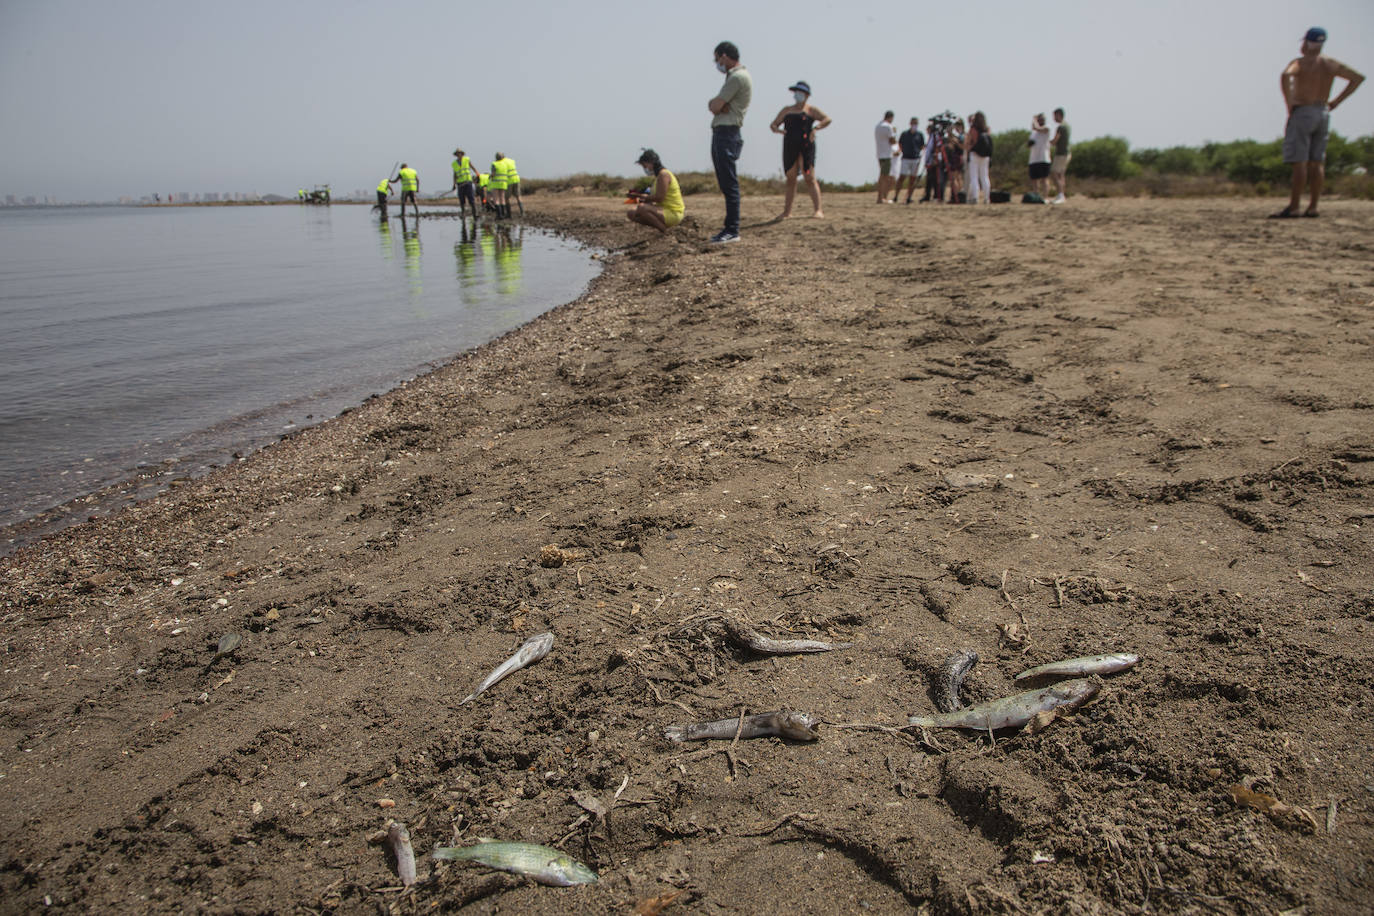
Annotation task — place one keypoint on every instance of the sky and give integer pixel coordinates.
(100, 100)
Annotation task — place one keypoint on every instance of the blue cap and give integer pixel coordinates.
(1315, 34)
(800, 86)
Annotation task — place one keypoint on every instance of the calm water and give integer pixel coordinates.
(132, 337)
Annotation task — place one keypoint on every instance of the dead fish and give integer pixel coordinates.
(784, 723)
(1081, 667)
(754, 641)
(540, 863)
(531, 651)
(952, 675)
(1013, 711)
(398, 837)
(228, 644)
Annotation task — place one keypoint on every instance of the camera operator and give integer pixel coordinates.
(937, 156)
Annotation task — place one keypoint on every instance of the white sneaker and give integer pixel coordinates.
(1058, 200)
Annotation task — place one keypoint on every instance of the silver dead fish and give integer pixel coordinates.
(784, 723)
(398, 837)
(228, 645)
(952, 675)
(1013, 711)
(1081, 667)
(540, 863)
(751, 639)
(533, 649)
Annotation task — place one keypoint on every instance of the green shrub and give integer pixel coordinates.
(1103, 157)
(1179, 160)
(1250, 161)
(1009, 155)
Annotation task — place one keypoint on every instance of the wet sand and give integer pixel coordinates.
(1030, 432)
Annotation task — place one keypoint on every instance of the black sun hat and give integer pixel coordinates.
(800, 86)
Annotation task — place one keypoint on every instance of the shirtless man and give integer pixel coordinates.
(1306, 86)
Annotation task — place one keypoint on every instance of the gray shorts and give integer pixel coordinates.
(1304, 139)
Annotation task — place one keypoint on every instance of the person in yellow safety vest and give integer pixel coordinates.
(513, 186)
(497, 186)
(483, 181)
(300, 195)
(383, 192)
(463, 174)
(410, 186)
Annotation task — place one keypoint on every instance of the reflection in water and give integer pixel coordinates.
(465, 253)
(508, 244)
(319, 224)
(410, 238)
(384, 233)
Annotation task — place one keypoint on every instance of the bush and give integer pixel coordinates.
(1104, 157)
(1250, 161)
(1009, 156)
(1179, 160)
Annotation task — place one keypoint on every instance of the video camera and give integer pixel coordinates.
(943, 121)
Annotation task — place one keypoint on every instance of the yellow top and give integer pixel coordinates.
(512, 176)
(462, 170)
(672, 201)
(384, 187)
(409, 180)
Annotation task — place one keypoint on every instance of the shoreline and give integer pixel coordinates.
(148, 479)
(1113, 426)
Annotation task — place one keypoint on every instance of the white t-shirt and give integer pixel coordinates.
(1040, 145)
(885, 136)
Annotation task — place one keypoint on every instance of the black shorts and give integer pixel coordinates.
(1039, 170)
(791, 149)
(408, 195)
(465, 194)
(381, 199)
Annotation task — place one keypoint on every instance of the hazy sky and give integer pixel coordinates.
(104, 99)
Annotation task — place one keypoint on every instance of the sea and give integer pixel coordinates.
(177, 338)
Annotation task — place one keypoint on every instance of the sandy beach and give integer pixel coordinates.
(1030, 432)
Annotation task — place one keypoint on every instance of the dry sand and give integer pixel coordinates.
(1030, 432)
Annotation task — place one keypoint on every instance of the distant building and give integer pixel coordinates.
(10, 201)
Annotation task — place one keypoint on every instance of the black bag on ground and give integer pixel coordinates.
(1030, 197)
(999, 197)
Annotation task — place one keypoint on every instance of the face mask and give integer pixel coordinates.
(722, 68)
(800, 97)
(648, 170)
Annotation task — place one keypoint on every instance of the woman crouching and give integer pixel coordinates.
(661, 206)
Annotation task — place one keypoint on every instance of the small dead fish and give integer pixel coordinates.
(228, 644)
(784, 724)
(754, 641)
(1081, 667)
(531, 651)
(952, 675)
(540, 863)
(1013, 711)
(398, 838)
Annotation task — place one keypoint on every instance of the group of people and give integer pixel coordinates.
(496, 190)
(949, 155)
(661, 206)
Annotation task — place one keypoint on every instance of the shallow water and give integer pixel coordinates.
(181, 335)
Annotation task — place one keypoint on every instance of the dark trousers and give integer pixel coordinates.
(726, 144)
(935, 183)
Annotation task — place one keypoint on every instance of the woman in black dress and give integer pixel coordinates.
(798, 124)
